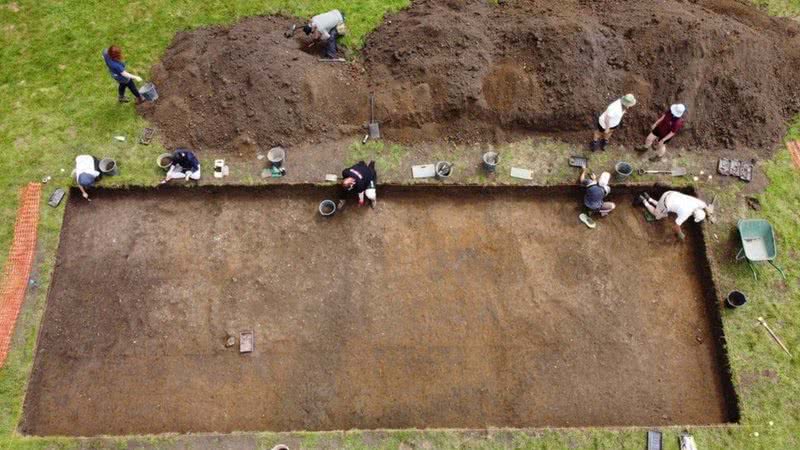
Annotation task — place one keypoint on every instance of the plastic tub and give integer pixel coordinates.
(149, 92)
(164, 160)
(622, 171)
(276, 155)
(490, 160)
(108, 167)
(327, 208)
(735, 299)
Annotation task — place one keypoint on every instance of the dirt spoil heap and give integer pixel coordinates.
(471, 71)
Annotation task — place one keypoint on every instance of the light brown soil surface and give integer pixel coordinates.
(443, 307)
(471, 71)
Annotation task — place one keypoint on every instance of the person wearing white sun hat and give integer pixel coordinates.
(610, 120)
(680, 204)
(664, 129)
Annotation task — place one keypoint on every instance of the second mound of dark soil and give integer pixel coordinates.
(473, 71)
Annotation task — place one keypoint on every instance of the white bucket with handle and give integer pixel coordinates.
(149, 92)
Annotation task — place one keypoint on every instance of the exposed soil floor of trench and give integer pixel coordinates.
(447, 307)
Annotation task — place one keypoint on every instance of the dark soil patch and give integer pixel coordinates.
(443, 307)
(470, 71)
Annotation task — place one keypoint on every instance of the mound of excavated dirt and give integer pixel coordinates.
(233, 87)
(471, 71)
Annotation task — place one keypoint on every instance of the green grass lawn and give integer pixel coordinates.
(790, 8)
(57, 100)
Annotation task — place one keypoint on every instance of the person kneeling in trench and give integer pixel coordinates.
(184, 166)
(679, 204)
(87, 173)
(359, 181)
(594, 199)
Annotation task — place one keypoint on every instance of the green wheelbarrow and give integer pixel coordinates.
(758, 244)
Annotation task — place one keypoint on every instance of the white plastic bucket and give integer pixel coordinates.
(276, 155)
(490, 160)
(149, 92)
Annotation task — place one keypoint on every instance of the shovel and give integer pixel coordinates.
(676, 172)
(290, 32)
(374, 128)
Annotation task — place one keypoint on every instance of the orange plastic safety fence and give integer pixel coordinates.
(794, 150)
(18, 266)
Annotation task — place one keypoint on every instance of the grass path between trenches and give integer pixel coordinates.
(56, 100)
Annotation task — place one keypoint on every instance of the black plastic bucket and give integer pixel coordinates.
(735, 299)
(108, 167)
(327, 208)
(622, 171)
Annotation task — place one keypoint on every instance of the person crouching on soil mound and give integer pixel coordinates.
(610, 120)
(679, 204)
(87, 173)
(663, 130)
(594, 200)
(113, 59)
(359, 181)
(326, 27)
(184, 166)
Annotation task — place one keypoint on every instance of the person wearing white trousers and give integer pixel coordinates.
(177, 172)
(185, 165)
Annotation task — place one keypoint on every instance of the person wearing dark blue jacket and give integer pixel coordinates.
(113, 58)
(597, 189)
(359, 181)
(185, 165)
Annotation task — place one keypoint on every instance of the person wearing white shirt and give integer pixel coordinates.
(86, 173)
(610, 120)
(325, 27)
(680, 204)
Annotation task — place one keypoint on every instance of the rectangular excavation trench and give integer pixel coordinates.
(445, 307)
